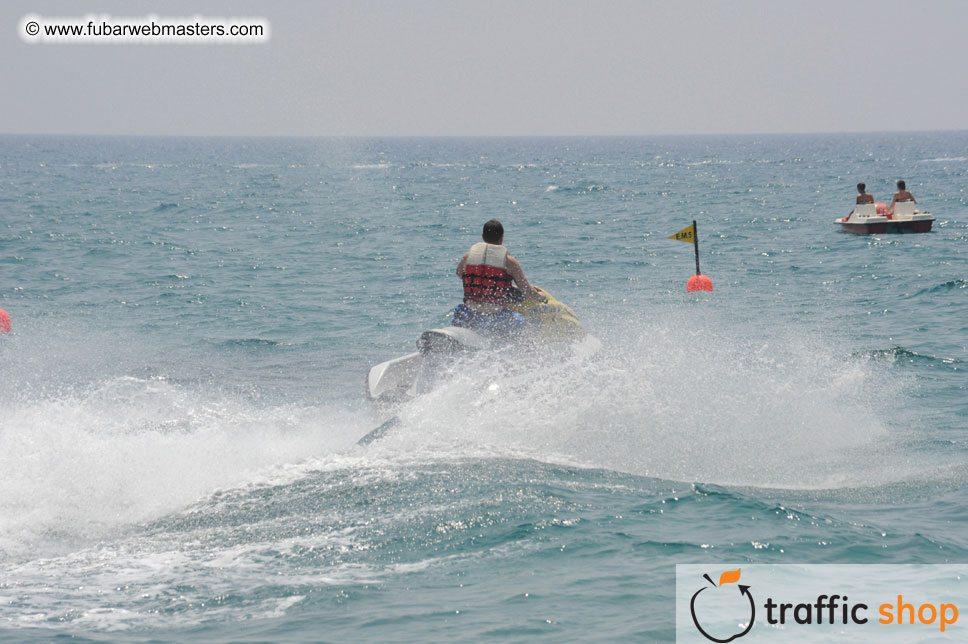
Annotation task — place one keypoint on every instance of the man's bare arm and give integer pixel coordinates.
(517, 274)
(461, 264)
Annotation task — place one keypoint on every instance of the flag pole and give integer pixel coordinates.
(695, 243)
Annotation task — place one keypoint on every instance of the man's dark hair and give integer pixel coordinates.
(900, 185)
(861, 187)
(493, 232)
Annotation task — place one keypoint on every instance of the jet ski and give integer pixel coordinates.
(875, 219)
(550, 324)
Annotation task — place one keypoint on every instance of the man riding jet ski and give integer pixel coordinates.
(487, 271)
(500, 307)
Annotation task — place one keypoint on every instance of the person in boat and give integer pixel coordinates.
(487, 272)
(862, 195)
(902, 194)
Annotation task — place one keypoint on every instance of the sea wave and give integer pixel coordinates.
(950, 285)
(943, 159)
(902, 355)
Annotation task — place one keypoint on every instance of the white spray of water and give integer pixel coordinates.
(86, 465)
(681, 395)
(686, 396)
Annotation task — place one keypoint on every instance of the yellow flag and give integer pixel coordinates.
(687, 235)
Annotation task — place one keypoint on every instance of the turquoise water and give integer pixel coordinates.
(193, 318)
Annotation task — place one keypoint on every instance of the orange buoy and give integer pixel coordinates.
(880, 208)
(4, 321)
(699, 283)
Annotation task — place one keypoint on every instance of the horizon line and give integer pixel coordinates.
(480, 136)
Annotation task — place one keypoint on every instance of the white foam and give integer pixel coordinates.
(690, 396)
(84, 464)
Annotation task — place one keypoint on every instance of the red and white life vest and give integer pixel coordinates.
(485, 276)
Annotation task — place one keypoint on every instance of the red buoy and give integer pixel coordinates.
(699, 283)
(4, 321)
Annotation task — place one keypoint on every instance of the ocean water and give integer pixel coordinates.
(182, 392)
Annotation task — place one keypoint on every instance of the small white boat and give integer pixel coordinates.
(874, 219)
